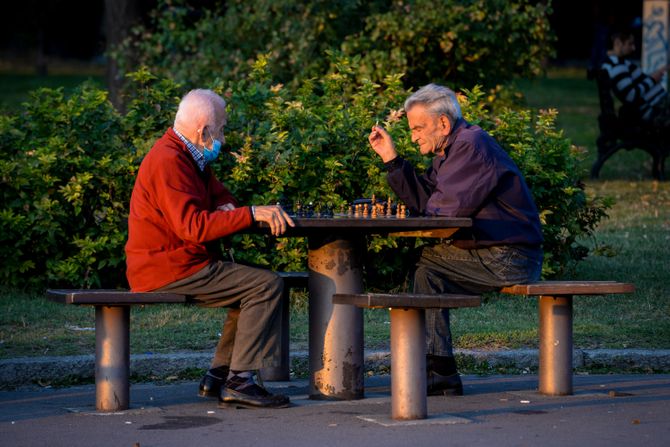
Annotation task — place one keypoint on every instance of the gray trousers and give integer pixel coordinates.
(250, 336)
(444, 268)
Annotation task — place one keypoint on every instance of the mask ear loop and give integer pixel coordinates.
(211, 137)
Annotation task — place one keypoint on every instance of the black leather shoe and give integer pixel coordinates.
(210, 385)
(253, 396)
(439, 385)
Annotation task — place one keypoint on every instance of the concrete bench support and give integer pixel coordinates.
(408, 343)
(112, 338)
(112, 358)
(408, 364)
(555, 331)
(112, 335)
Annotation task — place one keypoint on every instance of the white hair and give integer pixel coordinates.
(438, 100)
(197, 106)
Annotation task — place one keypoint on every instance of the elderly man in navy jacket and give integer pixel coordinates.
(470, 176)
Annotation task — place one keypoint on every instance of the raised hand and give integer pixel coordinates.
(382, 143)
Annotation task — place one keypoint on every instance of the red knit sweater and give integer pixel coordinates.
(173, 215)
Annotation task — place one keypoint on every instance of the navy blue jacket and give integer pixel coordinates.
(474, 178)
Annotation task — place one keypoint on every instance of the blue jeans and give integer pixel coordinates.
(444, 268)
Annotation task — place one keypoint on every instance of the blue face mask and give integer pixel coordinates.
(213, 153)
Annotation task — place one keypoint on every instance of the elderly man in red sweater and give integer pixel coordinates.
(178, 210)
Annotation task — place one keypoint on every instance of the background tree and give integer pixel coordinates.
(120, 17)
(461, 43)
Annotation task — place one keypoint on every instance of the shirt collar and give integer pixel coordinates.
(195, 153)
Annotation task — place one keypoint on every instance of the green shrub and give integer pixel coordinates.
(484, 42)
(67, 168)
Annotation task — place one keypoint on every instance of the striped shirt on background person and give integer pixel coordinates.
(632, 86)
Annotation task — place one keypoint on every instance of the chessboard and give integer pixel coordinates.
(366, 216)
(371, 208)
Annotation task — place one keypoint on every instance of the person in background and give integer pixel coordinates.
(642, 94)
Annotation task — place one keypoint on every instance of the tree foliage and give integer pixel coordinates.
(461, 43)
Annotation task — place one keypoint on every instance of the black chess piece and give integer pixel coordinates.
(327, 211)
(285, 204)
(309, 210)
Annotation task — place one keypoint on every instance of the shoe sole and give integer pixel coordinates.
(241, 406)
(207, 394)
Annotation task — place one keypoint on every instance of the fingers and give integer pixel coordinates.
(376, 134)
(275, 217)
(382, 143)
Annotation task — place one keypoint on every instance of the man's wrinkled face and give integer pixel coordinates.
(429, 131)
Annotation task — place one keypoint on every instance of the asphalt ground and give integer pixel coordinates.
(606, 410)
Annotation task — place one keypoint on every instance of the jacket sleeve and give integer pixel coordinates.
(181, 197)
(412, 189)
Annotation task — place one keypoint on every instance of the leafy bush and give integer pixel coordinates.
(196, 46)
(67, 167)
(484, 42)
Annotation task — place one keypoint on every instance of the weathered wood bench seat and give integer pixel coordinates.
(408, 342)
(112, 334)
(555, 326)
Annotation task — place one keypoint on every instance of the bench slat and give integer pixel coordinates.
(120, 297)
(407, 300)
(569, 288)
(294, 279)
(112, 297)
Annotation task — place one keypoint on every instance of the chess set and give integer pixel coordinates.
(371, 208)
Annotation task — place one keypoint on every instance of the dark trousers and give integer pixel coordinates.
(444, 268)
(250, 335)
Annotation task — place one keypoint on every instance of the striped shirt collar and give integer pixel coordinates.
(195, 153)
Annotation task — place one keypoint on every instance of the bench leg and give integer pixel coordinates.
(283, 371)
(555, 345)
(112, 358)
(408, 364)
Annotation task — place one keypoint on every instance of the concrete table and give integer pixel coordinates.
(336, 352)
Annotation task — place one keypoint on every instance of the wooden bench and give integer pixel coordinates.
(112, 334)
(408, 343)
(555, 326)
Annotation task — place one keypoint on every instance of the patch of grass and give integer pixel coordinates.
(14, 88)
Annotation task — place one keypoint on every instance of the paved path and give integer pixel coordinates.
(606, 410)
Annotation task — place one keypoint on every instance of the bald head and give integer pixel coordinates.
(200, 110)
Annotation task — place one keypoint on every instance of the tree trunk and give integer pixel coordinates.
(120, 16)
